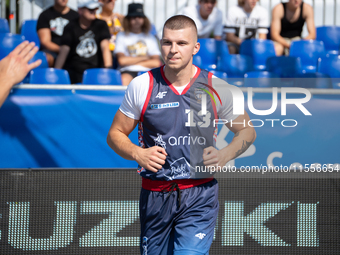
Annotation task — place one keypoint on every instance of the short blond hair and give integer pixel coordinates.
(178, 22)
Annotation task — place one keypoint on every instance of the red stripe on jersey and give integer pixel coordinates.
(148, 96)
(186, 88)
(211, 89)
(153, 185)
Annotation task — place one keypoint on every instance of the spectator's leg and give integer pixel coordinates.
(232, 49)
(50, 59)
(279, 49)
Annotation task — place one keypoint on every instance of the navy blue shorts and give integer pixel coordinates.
(168, 227)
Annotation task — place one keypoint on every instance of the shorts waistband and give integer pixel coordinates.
(153, 185)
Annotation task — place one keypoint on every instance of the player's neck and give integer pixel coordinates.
(181, 77)
(61, 9)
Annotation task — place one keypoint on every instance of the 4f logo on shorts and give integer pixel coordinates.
(200, 235)
(161, 94)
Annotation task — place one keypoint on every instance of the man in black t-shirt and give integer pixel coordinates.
(50, 28)
(85, 43)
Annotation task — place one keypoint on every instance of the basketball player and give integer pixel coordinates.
(178, 208)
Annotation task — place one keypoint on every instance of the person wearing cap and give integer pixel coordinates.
(50, 28)
(85, 43)
(208, 19)
(136, 49)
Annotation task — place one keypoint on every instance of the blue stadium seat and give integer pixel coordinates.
(330, 36)
(210, 50)
(29, 30)
(235, 66)
(219, 74)
(8, 42)
(261, 79)
(284, 67)
(4, 27)
(259, 51)
(49, 76)
(313, 80)
(331, 66)
(308, 51)
(39, 55)
(102, 76)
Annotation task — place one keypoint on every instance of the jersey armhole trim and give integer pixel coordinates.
(148, 96)
(212, 92)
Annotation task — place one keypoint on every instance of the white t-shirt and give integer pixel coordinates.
(246, 25)
(137, 91)
(212, 25)
(134, 45)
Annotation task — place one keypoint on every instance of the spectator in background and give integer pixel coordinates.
(208, 19)
(288, 20)
(50, 28)
(15, 67)
(113, 20)
(85, 43)
(245, 21)
(136, 49)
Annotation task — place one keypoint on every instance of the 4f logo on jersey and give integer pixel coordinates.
(161, 94)
(200, 235)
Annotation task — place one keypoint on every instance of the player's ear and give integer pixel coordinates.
(196, 48)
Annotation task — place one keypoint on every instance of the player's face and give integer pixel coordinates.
(178, 47)
(207, 6)
(61, 3)
(295, 3)
(250, 3)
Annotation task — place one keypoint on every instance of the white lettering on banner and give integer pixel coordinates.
(262, 112)
(18, 226)
(235, 224)
(105, 234)
(275, 154)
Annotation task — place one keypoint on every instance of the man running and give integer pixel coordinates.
(176, 106)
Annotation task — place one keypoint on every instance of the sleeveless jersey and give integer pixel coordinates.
(180, 123)
(288, 29)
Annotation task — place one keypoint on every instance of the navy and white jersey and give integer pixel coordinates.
(171, 120)
(180, 122)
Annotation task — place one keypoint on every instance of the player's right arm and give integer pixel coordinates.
(150, 158)
(126, 120)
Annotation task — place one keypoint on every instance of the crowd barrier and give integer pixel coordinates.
(95, 211)
(67, 128)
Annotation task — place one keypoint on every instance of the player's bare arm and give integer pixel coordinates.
(244, 136)
(150, 158)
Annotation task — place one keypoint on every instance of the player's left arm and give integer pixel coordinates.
(309, 16)
(244, 136)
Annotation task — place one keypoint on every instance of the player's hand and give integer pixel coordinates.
(212, 157)
(152, 158)
(15, 67)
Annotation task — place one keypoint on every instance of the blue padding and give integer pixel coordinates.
(262, 79)
(210, 51)
(4, 27)
(235, 65)
(284, 67)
